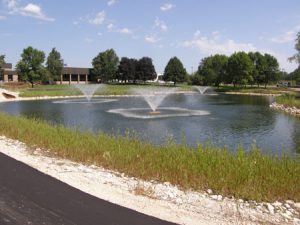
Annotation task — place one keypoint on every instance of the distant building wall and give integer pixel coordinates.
(9, 75)
(70, 75)
(74, 75)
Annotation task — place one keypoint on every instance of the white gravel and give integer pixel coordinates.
(161, 200)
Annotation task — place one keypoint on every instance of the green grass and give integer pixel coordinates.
(69, 90)
(248, 89)
(251, 175)
(290, 100)
(126, 89)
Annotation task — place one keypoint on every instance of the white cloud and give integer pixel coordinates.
(3, 18)
(214, 45)
(30, 10)
(167, 7)
(34, 11)
(288, 36)
(161, 25)
(112, 28)
(111, 2)
(151, 39)
(11, 4)
(88, 40)
(75, 23)
(124, 30)
(283, 61)
(98, 19)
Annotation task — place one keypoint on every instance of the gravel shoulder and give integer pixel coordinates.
(161, 200)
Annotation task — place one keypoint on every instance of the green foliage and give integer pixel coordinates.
(213, 69)
(175, 71)
(259, 66)
(2, 62)
(296, 75)
(271, 72)
(127, 70)
(196, 79)
(134, 70)
(290, 100)
(248, 175)
(239, 68)
(296, 57)
(54, 65)
(30, 66)
(105, 66)
(145, 69)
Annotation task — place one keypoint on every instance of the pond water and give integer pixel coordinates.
(194, 118)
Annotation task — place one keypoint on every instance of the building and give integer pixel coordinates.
(70, 75)
(9, 75)
(73, 75)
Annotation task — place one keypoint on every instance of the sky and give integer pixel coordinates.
(160, 29)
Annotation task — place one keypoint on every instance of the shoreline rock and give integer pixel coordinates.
(290, 110)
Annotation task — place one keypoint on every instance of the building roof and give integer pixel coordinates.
(7, 66)
(10, 72)
(75, 70)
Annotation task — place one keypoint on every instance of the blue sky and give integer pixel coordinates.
(160, 29)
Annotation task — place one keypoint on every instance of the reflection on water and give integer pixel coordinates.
(232, 120)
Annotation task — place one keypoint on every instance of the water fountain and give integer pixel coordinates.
(201, 89)
(154, 98)
(88, 90)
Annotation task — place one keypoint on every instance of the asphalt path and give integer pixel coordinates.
(29, 197)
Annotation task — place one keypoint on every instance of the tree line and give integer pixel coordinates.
(107, 68)
(241, 68)
(238, 69)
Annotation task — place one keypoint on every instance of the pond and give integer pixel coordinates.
(220, 120)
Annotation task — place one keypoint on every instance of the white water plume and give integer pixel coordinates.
(201, 89)
(88, 90)
(154, 96)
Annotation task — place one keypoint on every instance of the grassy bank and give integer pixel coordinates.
(243, 175)
(290, 100)
(126, 89)
(249, 89)
(69, 90)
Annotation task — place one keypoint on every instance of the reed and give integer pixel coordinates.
(243, 174)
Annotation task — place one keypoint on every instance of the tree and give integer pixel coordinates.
(127, 69)
(30, 66)
(2, 62)
(196, 79)
(54, 65)
(145, 69)
(259, 66)
(296, 57)
(295, 75)
(175, 71)
(105, 66)
(239, 68)
(213, 69)
(271, 70)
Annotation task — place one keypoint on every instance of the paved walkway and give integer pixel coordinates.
(31, 197)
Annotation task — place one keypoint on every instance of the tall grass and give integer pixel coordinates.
(251, 175)
(290, 100)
